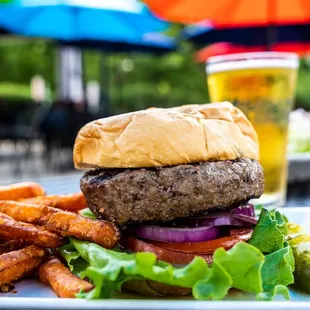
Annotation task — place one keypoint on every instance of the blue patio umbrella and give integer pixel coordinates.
(153, 42)
(203, 34)
(112, 25)
(84, 21)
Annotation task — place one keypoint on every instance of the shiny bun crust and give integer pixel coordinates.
(166, 137)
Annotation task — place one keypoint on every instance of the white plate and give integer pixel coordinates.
(31, 294)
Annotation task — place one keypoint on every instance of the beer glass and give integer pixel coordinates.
(262, 85)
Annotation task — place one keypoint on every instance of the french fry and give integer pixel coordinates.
(72, 202)
(17, 264)
(21, 190)
(10, 245)
(62, 222)
(6, 288)
(28, 233)
(64, 283)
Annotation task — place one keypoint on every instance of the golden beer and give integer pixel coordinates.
(262, 85)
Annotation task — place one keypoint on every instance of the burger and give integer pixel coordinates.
(177, 182)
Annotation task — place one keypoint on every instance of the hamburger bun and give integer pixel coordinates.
(154, 289)
(205, 158)
(166, 137)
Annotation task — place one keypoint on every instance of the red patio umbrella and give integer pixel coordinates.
(225, 48)
(228, 13)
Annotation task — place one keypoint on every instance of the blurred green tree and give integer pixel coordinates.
(131, 81)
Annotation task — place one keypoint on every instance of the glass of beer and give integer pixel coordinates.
(262, 85)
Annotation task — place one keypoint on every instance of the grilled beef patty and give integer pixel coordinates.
(126, 196)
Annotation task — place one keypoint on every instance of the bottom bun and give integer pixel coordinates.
(152, 288)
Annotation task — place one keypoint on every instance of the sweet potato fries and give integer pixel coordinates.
(11, 245)
(63, 282)
(16, 264)
(21, 190)
(28, 233)
(73, 202)
(32, 225)
(63, 222)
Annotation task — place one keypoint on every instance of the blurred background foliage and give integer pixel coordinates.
(131, 81)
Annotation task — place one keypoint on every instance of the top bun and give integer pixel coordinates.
(166, 137)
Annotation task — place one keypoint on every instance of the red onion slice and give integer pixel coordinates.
(215, 220)
(245, 218)
(197, 229)
(221, 219)
(166, 234)
(245, 210)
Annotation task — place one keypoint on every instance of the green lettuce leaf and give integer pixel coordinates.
(243, 263)
(277, 273)
(282, 222)
(278, 268)
(270, 232)
(278, 290)
(270, 236)
(215, 286)
(109, 269)
(242, 267)
(87, 213)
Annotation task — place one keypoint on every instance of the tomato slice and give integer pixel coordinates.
(172, 257)
(206, 247)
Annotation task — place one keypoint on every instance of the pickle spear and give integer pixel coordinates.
(300, 243)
